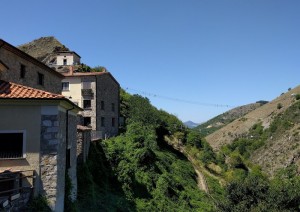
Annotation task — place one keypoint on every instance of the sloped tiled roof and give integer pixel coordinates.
(12, 90)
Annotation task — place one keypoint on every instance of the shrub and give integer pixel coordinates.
(279, 106)
(297, 96)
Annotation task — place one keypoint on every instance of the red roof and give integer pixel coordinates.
(13, 90)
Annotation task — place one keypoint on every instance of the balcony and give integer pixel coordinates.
(87, 92)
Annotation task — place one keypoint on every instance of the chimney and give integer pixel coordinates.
(71, 70)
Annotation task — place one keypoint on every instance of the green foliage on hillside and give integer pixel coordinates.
(98, 188)
(256, 192)
(152, 174)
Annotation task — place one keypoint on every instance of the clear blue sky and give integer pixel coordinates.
(226, 52)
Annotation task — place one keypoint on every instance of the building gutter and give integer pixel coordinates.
(67, 135)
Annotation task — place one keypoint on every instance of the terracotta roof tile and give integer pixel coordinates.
(13, 90)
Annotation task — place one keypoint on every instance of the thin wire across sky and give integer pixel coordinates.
(143, 93)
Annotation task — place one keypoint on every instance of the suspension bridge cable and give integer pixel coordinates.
(178, 100)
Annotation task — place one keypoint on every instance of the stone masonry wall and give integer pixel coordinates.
(72, 144)
(83, 145)
(52, 82)
(53, 160)
(90, 112)
(108, 91)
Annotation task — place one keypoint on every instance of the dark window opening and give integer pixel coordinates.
(113, 107)
(102, 105)
(11, 145)
(87, 104)
(65, 86)
(65, 62)
(86, 121)
(40, 79)
(8, 182)
(102, 122)
(22, 71)
(113, 122)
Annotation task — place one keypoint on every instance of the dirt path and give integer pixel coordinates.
(201, 181)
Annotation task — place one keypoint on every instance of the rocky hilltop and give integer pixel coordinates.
(42, 47)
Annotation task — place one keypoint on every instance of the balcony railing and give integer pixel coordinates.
(87, 92)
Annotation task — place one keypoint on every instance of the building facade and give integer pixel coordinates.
(43, 139)
(19, 67)
(98, 94)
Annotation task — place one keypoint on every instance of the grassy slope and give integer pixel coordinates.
(241, 126)
(222, 120)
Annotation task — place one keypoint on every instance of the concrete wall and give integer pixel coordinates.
(72, 59)
(52, 82)
(107, 91)
(15, 117)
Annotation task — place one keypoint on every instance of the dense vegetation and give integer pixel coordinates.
(139, 171)
(153, 175)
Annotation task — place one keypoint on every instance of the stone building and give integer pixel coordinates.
(98, 94)
(38, 132)
(19, 67)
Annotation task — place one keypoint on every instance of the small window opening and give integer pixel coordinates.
(40, 79)
(87, 104)
(65, 86)
(11, 145)
(22, 71)
(102, 122)
(102, 105)
(86, 121)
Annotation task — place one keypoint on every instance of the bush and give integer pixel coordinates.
(279, 106)
(297, 96)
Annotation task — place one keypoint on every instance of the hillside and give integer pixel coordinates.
(275, 129)
(42, 47)
(222, 120)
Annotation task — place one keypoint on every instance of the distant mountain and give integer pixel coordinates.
(190, 124)
(222, 120)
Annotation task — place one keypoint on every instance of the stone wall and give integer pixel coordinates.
(52, 81)
(83, 143)
(52, 162)
(92, 112)
(72, 145)
(108, 91)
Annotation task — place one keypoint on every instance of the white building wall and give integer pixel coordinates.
(74, 90)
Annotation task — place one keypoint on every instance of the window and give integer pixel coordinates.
(40, 79)
(65, 86)
(113, 107)
(22, 71)
(102, 105)
(87, 104)
(102, 122)
(86, 121)
(65, 62)
(12, 144)
(113, 122)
